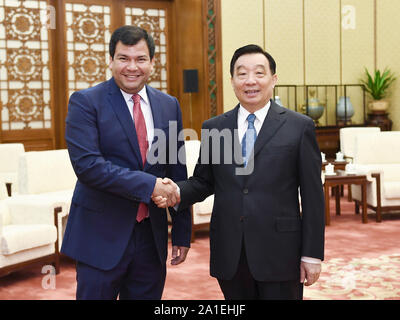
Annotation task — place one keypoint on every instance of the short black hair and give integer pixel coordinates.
(130, 35)
(252, 48)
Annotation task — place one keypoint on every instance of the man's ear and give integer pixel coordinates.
(274, 80)
(110, 62)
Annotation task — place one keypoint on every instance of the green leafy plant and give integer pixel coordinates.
(378, 85)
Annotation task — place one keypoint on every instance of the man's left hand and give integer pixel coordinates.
(309, 272)
(178, 254)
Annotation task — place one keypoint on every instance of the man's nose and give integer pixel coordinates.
(132, 65)
(251, 79)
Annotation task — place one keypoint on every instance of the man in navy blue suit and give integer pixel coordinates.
(115, 232)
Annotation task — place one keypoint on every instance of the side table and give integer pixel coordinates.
(339, 179)
(339, 165)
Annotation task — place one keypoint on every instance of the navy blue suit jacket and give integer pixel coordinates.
(112, 181)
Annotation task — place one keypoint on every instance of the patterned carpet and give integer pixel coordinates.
(358, 279)
(362, 262)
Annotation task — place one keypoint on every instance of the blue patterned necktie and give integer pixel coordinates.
(249, 138)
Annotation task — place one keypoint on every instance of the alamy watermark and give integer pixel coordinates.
(49, 280)
(348, 17)
(48, 17)
(217, 147)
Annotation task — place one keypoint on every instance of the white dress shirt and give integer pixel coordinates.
(146, 110)
(258, 122)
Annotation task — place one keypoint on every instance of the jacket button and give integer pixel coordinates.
(245, 191)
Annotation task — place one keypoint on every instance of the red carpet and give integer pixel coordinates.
(362, 261)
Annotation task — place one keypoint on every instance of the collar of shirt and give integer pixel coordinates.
(146, 110)
(143, 97)
(243, 123)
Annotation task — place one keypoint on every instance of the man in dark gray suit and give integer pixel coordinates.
(262, 245)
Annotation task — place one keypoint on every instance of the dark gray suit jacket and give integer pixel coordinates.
(263, 207)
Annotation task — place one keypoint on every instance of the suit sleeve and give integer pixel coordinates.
(90, 166)
(181, 221)
(201, 185)
(312, 197)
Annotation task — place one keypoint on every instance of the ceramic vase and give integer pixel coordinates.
(344, 109)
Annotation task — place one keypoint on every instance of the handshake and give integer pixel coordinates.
(165, 193)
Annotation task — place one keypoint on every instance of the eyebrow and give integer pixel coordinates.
(125, 55)
(258, 65)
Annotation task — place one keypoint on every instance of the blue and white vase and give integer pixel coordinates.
(344, 109)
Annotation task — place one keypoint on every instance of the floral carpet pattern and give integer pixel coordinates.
(362, 262)
(358, 279)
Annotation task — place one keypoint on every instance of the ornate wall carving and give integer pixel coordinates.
(25, 98)
(212, 52)
(40, 67)
(87, 37)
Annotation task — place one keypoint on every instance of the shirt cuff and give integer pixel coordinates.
(311, 260)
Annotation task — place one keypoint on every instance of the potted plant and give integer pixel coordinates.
(377, 86)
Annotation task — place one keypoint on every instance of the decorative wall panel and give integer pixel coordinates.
(240, 25)
(212, 56)
(87, 37)
(25, 100)
(154, 21)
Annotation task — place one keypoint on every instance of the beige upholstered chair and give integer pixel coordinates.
(201, 211)
(47, 177)
(9, 154)
(28, 234)
(347, 143)
(347, 138)
(378, 156)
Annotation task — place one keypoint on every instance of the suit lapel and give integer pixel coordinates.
(273, 121)
(156, 108)
(119, 105)
(157, 113)
(230, 122)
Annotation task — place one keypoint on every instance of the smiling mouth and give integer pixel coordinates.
(251, 92)
(132, 77)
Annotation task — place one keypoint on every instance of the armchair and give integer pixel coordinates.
(9, 154)
(347, 138)
(377, 155)
(47, 177)
(347, 143)
(28, 234)
(201, 211)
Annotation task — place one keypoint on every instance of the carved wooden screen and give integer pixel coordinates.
(25, 77)
(51, 48)
(88, 30)
(154, 20)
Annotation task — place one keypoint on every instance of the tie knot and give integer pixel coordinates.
(251, 118)
(136, 98)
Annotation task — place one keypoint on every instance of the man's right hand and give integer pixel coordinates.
(165, 193)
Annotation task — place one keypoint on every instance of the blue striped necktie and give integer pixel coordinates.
(249, 138)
